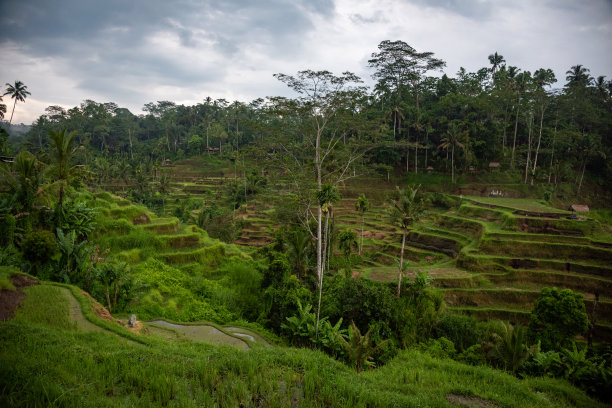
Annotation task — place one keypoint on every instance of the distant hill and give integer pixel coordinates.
(15, 129)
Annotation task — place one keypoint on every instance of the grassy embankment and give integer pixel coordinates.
(47, 359)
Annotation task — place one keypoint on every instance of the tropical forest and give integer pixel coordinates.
(413, 239)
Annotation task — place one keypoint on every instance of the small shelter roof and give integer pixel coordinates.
(494, 164)
(579, 208)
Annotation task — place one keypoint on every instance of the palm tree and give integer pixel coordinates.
(578, 75)
(360, 348)
(362, 205)
(454, 137)
(510, 349)
(406, 209)
(62, 152)
(496, 60)
(2, 109)
(18, 92)
(298, 242)
(346, 242)
(25, 181)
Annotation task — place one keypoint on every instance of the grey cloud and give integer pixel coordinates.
(472, 9)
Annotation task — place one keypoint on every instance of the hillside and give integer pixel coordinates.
(489, 255)
(59, 353)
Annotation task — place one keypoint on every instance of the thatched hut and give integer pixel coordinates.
(494, 166)
(579, 208)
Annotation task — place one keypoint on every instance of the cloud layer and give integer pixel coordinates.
(135, 52)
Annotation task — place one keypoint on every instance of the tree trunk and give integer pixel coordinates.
(61, 196)
(116, 290)
(530, 127)
(453, 164)
(518, 109)
(582, 175)
(416, 156)
(552, 155)
(325, 242)
(401, 265)
(108, 302)
(505, 130)
(130, 137)
(362, 222)
(535, 160)
(12, 112)
(319, 227)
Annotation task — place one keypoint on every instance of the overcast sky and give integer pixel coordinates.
(139, 51)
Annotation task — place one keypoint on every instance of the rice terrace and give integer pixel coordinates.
(413, 238)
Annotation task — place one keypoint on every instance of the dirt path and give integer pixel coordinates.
(76, 314)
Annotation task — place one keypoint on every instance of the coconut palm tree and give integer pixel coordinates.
(2, 109)
(362, 205)
(496, 60)
(346, 242)
(510, 349)
(578, 75)
(18, 92)
(299, 251)
(454, 138)
(25, 181)
(63, 148)
(406, 209)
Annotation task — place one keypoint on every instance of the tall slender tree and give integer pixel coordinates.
(406, 209)
(454, 137)
(322, 96)
(19, 92)
(496, 61)
(362, 205)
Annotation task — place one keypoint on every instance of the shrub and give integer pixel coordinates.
(439, 348)
(463, 330)
(7, 230)
(38, 246)
(557, 317)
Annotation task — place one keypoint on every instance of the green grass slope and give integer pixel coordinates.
(47, 360)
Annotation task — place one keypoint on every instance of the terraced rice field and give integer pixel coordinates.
(490, 255)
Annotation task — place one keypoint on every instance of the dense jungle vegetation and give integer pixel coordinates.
(406, 245)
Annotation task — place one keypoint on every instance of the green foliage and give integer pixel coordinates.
(7, 230)
(406, 207)
(77, 217)
(162, 291)
(360, 349)
(282, 300)
(444, 201)
(117, 284)
(219, 223)
(557, 317)
(360, 301)
(464, 331)
(510, 349)
(38, 246)
(302, 330)
(73, 259)
(439, 348)
(5, 277)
